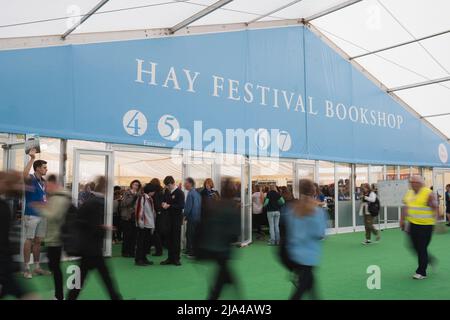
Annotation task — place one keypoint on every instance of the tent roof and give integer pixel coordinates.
(355, 27)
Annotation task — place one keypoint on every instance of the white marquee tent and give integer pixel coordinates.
(403, 44)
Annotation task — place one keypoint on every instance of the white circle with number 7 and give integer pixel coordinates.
(284, 141)
(169, 127)
(135, 123)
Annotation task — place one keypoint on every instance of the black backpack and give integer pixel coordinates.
(374, 208)
(71, 232)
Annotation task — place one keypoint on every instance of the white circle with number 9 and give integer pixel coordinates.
(135, 123)
(262, 138)
(284, 141)
(169, 127)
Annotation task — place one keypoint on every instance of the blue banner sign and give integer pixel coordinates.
(278, 92)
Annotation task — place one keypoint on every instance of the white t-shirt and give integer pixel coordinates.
(257, 203)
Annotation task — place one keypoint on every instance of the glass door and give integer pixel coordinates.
(303, 171)
(439, 189)
(87, 166)
(237, 168)
(14, 159)
(246, 201)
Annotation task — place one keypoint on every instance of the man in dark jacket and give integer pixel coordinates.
(173, 205)
(91, 216)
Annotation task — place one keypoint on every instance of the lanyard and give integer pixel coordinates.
(42, 186)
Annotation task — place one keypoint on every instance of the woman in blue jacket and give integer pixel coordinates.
(306, 225)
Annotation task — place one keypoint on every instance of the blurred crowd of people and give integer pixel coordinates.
(148, 219)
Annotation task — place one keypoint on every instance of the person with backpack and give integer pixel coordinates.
(370, 208)
(305, 224)
(273, 202)
(55, 210)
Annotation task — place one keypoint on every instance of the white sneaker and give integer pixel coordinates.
(366, 242)
(27, 274)
(418, 276)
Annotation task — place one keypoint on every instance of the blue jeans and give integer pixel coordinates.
(274, 226)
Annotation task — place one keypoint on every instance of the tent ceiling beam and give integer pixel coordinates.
(274, 11)
(332, 9)
(437, 115)
(93, 37)
(199, 15)
(84, 18)
(400, 44)
(419, 84)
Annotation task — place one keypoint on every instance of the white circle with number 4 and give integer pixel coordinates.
(169, 127)
(284, 141)
(135, 123)
(443, 154)
(262, 138)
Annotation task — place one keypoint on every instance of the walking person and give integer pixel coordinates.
(35, 225)
(192, 213)
(173, 205)
(273, 203)
(91, 217)
(219, 230)
(305, 228)
(145, 223)
(55, 211)
(420, 212)
(127, 212)
(367, 210)
(158, 238)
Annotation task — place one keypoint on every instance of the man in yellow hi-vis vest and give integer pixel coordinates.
(420, 211)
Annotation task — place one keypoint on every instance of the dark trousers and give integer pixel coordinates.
(174, 236)
(157, 236)
(420, 238)
(162, 225)
(191, 230)
(8, 280)
(54, 264)
(156, 242)
(305, 282)
(129, 237)
(224, 276)
(117, 233)
(143, 243)
(370, 228)
(257, 222)
(90, 263)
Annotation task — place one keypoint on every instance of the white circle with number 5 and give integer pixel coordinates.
(169, 127)
(262, 138)
(443, 154)
(135, 123)
(284, 141)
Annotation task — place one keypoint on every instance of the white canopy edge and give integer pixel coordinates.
(98, 37)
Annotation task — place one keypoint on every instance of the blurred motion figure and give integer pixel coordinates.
(218, 230)
(305, 225)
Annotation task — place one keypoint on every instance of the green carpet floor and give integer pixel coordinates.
(341, 275)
